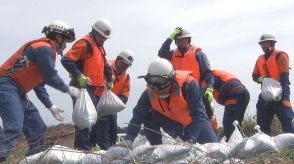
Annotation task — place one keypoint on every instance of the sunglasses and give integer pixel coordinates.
(158, 82)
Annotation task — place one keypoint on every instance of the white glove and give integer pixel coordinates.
(73, 91)
(126, 143)
(56, 112)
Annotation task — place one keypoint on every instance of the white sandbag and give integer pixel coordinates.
(195, 155)
(236, 136)
(94, 157)
(218, 151)
(140, 140)
(139, 153)
(284, 141)
(55, 155)
(114, 153)
(109, 104)
(84, 114)
(271, 89)
(255, 145)
(166, 153)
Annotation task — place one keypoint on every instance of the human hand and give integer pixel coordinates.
(109, 85)
(83, 80)
(260, 79)
(209, 94)
(278, 98)
(56, 112)
(177, 31)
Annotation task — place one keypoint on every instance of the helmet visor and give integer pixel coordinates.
(69, 35)
(158, 82)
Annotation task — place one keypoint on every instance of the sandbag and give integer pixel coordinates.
(84, 114)
(94, 157)
(109, 104)
(271, 89)
(236, 136)
(255, 145)
(284, 141)
(217, 151)
(167, 153)
(113, 153)
(55, 155)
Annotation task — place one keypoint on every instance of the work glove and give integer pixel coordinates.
(126, 143)
(260, 79)
(177, 31)
(278, 98)
(109, 85)
(73, 91)
(56, 112)
(83, 80)
(286, 103)
(208, 94)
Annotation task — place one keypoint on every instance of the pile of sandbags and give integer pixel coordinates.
(172, 151)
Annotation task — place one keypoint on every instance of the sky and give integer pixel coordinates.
(227, 31)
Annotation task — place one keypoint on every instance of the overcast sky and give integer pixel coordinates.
(227, 31)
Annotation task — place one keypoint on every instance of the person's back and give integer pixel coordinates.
(231, 93)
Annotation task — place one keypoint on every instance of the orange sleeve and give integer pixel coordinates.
(78, 51)
(283, 63)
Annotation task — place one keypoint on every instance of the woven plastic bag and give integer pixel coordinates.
(236, 136)
(109, 104)
(271, 89)
(84, 114)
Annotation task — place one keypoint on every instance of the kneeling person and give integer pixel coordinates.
(173, 102)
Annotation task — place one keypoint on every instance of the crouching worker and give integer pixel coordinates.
(229, 91)
(172, 101)
(30, 68)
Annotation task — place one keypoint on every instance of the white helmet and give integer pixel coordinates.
(59, 27)
(184, 34)
(267, 37)
(103, 27)
(161, 67)
(127, 56)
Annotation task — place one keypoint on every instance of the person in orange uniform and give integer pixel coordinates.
(274, 64)
(231, 93)
(86, 63)
(106, 128)
(172, 101)
(30, 68)
(188, 57)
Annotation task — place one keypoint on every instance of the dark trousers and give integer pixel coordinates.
(266, 112)
(235, 111)
(19, 115)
